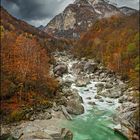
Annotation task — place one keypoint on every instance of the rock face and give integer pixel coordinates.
(127, 11)
(66, 134)
(36, 135)
(90, 67)
(75, 107)
(80, 82)
(79, 16)
(38, 130)
(60, 69)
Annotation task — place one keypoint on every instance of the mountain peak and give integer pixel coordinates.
(80, 16)
(87, 1)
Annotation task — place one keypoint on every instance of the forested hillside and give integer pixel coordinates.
(25, 68)
(115, 43)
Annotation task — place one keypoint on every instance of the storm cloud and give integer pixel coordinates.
(40, 12)
(35, 11)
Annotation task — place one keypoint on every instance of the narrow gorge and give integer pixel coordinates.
(95, 104)
(69, 70)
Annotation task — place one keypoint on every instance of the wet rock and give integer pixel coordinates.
(97, 97)
(92, 103)
(66, 134)
(60, 69)
(130, 99)
(111, 93)
(101, 100)
(123, 99)
(103, 75)
(90, 67)
(75, 107)
(109, 101)
(89, 98)
(81, 82)
(102, 68)
(39, 135)
(108, 85)
(74, 95)
(66, 114)
(86, 89)
(103, 93)
(78, 67)
(55, 107)
(99, 86)
(68, 81)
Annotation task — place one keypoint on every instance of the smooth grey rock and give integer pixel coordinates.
(109, 101)
(66, 114)
(39, 135)
(92, 103)
(75, 107)
(99, 85)
(108, 85)
(60, 69)
(89, 98)
(81, 81)
(66, 134)
(97, 97)
(101, 100)
(90, 67)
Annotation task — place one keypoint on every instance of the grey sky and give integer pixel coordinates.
(130, 3)
(40, 12)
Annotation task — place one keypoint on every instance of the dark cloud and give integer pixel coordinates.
(35, 10)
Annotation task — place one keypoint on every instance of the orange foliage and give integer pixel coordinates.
(115, 42)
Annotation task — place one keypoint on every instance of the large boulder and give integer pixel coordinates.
(97, 97)
(60, 69)
(75, 96)
(81, 81)
(66, 114)
(75, 107)
(78, 65)
(67, 81)
(36, 135)
(66, 134)
(111, 93)
(99, 86)
(90, 67)
(108, 85)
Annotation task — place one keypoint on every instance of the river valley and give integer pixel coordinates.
(97, 105)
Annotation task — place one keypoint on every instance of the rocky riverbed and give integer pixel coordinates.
(85, 86)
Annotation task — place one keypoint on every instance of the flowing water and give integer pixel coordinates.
(97, 121)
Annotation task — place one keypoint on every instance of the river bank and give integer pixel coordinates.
(101, 100)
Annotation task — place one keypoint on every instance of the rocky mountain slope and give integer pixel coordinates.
(127, 11)
(81, 15)
(114, 41)
(11, 23)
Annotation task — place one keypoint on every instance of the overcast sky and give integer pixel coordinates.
(40, 12)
